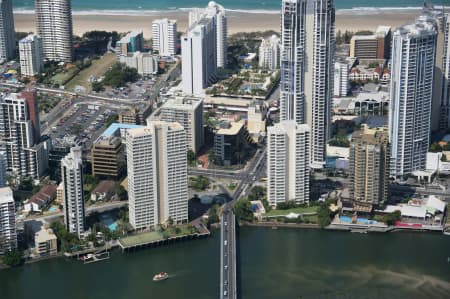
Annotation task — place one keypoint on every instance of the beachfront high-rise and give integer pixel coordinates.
(20, 135)
(8, 233)
(307, 65)
(413, 61)
(369, 168)
(217, 13)
(7, 34)
(31, 57)
(198, 56)
(165, 36)
(54, 26)
(269, 53)
(441, 93)
(293, 40)
(157, 174)
(287, 163)
(72, 182)
(319, 76)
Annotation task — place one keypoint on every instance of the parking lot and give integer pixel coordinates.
(139, 90)
(85, 121)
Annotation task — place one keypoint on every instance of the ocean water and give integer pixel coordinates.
(154, 6)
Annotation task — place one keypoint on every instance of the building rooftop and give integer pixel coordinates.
(232, 129)
(143, 131)
(6, 195)
(44, 235)
(46, 192)
(113, 128)
(107, 141)
(127, 38)
(183, 102)
(104, 187)
(28, 39)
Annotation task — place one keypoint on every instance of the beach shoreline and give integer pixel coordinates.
(237, 21)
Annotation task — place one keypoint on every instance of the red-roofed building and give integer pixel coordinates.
(41, 199)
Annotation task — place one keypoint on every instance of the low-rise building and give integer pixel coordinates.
(365, 103)
(374, 46)
(146, 64)
(45, 243)
(365, 73)
(41, 199)
(103, 191)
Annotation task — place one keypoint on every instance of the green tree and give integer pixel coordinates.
(243, 210)
(97, 86)
(324, 215)
(120, 191)
(212, 214)
(119, 75)
(435, 147)
(191, 157)
(12, 258)
(392, 218)
(199, 183)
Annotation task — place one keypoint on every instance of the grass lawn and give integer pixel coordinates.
(97, 69)
(294, 210)
(141, 238)
(311, 218)
(62, 78)
(155, 236)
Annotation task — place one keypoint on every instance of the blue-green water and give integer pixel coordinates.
(142, 6)
(273, 264)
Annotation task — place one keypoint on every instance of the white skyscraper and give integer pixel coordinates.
(269, 53)
(165, 36)
(31, 57)
(413, 60)
(288, 163)
(218, 14)
(54, 26)
(307, 51)
(445, 95)
(7, 34)
(157, 174)
(341, 79)
(72, 179)
(198, 53)
(440, 114)
(8, 234)
(293, 41)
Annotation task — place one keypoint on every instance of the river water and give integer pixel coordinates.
(280, 264)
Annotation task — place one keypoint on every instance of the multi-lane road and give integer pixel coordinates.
(228, 288)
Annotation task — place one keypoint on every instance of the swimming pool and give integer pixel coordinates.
(52, 209)
(347, 219)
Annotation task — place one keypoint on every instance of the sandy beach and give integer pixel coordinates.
(237, 22)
